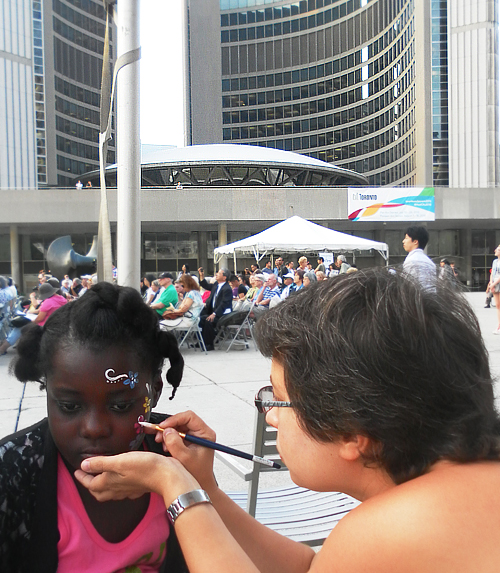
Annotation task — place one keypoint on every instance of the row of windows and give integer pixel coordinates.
(246, 100)
(77, 36)
(344, 135)
(94, 8)
(320, 105)
(77, 65)
(268, 14)
(304, 5)
(77, 111)
(80, 20)
(384, 17)
(311, 73)
(38, 70)
(76, 148)
(395, 174)
(76, 129)
(373, 125)
(73, 91)
(73, 166)
(298, 51)
(439, 63)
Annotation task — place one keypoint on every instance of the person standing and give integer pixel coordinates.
(321, 265)
(417, 263)
(495, 285)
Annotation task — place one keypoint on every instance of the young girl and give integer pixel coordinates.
(100, 360)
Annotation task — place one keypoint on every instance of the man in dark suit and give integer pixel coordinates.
(218, 303)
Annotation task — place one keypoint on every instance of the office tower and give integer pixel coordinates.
(362, 84)
(51, 58)
(17, 114)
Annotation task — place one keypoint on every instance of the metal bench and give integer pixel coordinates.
(298, 513)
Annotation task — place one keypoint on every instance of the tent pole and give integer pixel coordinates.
(234, 258)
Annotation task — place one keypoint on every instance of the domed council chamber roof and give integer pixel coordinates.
(234, 165)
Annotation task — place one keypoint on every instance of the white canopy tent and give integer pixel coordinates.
(297, 235)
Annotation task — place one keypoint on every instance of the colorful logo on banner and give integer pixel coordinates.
(396, 204)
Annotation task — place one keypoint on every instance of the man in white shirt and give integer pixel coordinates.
(417, 263)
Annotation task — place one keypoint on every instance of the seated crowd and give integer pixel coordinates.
(182, 300)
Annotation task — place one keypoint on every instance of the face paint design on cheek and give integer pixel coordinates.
(130, 379)
(139, 430)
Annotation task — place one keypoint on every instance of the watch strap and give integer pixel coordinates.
(186, 500)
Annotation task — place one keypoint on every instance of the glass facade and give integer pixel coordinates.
(439, 48)
(78, 42)
(39, 79)
(333, 80)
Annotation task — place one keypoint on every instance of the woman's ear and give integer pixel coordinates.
(156, 390)
(354, 447)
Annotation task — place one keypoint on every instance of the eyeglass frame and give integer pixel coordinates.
(264, 406)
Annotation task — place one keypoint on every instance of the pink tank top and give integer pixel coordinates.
(81, 548)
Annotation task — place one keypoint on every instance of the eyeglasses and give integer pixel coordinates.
(264, 400)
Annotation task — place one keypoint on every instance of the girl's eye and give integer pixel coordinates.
(68, 407)
(121, 406)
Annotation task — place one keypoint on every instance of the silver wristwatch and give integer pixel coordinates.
(186, 500)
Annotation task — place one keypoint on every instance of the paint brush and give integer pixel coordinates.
(218, 447)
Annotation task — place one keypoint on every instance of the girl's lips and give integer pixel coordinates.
(86, 455)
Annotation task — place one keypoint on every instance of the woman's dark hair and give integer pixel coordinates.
(301, 273)
(106, 315)
(245, 280)
(375, 354)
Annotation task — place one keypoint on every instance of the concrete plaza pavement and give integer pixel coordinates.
(219, 386)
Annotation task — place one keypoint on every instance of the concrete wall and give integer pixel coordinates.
(204, 109)
(473, 93)
(70, 207)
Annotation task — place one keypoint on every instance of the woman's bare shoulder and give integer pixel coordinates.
(447, 520)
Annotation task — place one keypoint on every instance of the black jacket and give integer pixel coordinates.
(28, 503)
(224, 300)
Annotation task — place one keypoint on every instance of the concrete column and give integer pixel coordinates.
(202, 250)
(222, 241)
(128, 149)
(15, 257)
(465, 267)
(423, 92)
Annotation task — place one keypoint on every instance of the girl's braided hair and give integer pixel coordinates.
(106, 315)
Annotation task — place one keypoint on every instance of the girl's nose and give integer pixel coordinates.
(95, 425)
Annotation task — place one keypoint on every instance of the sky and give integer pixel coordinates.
(161, 73)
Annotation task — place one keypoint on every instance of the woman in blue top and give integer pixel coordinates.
(495, 285)
(191, 306)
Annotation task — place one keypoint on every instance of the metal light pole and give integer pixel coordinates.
(128, 147)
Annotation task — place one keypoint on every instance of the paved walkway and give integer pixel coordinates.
(219, 386)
